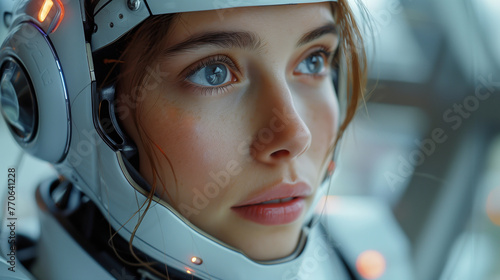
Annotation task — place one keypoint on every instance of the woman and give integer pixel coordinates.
(241, 99)
(220, 121)
(244, 114)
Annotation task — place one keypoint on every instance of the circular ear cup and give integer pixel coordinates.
(18, 101)
(33, 97)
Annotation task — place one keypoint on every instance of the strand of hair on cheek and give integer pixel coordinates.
(150, 151)
(149, 138)
(140, 262)
(150, 196)
(147, 204)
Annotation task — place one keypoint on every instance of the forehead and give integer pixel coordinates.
(287, 19)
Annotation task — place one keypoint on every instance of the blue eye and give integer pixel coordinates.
(211, 75)
(313, 64)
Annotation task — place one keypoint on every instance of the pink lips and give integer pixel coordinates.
(276, 213)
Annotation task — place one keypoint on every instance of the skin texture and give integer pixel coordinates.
(271, 124)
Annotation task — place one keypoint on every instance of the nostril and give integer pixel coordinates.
(280, 153)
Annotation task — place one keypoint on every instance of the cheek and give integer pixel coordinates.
(327, 117)
(323, 124)
(323, 120)
(198, 144)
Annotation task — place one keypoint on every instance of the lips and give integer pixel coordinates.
(282, 204)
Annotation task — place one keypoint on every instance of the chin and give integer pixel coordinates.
(274, 243)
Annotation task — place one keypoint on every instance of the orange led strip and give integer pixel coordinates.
(44, 11)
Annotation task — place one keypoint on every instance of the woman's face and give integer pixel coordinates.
(242, 111)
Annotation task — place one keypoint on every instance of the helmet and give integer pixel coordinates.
(55, 111)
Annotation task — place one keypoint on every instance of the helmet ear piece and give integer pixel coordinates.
(106, 122)
(32, 85)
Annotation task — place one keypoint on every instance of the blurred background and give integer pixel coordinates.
(427, 143)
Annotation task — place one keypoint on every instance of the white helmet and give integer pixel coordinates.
(50, 101)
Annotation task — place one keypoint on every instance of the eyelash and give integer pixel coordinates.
(327, 55)
(326, 52)
(207, 62)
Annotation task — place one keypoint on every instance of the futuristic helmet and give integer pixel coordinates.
(55, 111)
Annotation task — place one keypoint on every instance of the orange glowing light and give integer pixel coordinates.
(188, 270)
(44, 11)
(493, 206)
(196, 260)
(370, 264)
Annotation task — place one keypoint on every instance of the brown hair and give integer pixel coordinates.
(142, 48)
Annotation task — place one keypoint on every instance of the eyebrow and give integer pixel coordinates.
(241, 40)
(314, 34)
(236, 39)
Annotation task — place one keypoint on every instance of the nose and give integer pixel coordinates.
(282, 135)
